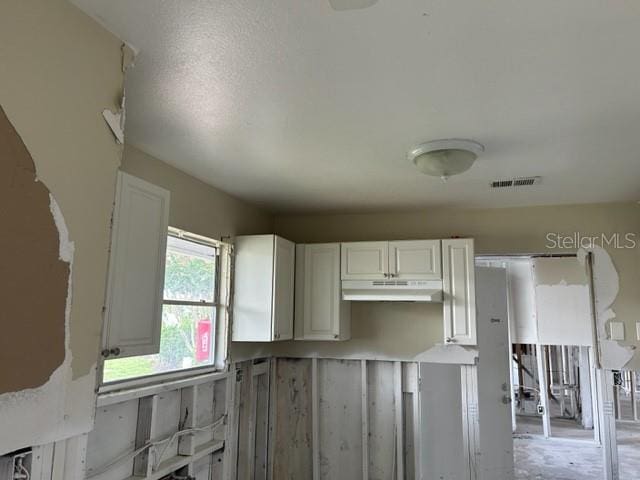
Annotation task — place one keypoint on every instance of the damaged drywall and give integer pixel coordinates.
(37, 269)
(606, 284)
(116, 120)
(40, 402)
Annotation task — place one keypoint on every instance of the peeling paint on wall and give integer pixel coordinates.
(606, 285)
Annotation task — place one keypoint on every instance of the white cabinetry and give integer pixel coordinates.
(133, 315)
(415, 259)
(403, 259)
(458, 284)
(365, 260)
(320, 312)
(263, 289)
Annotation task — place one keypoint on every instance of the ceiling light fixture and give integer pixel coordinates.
(444, 158)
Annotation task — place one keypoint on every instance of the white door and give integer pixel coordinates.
(494, 386)
(415, 259)
(133, 316)
(365, 260)
(283, 286)
(320, 291)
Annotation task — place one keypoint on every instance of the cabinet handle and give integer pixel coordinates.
(105, 353)
(115, 351)
(449, 340)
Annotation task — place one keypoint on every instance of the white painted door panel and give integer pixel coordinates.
(458, 283)
(365, 260)
(253, 288)
(320, 310)
(284, 278)
(415, 259)
(494, 385)
(136, 267)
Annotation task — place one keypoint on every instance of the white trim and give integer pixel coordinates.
(129, 390)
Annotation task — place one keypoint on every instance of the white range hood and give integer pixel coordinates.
(392, 290)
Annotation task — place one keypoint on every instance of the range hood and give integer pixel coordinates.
(392, 290)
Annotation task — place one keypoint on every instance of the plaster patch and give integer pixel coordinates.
(606, 284)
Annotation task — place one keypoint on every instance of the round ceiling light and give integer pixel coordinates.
(444, 158)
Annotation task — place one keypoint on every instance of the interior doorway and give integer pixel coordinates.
(555, 402)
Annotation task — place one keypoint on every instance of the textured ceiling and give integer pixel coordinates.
(295, 106)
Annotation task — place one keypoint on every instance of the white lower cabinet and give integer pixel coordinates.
(320, 312)
(458, 288)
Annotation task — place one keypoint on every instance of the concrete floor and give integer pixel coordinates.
(574, 456)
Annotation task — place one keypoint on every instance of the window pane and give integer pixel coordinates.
(186, 341)
(189, 271)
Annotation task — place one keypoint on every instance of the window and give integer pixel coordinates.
(189, 312)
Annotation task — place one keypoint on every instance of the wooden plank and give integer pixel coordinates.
(145, 431)
(365, 419)
(293, 449)
(170, 465)
(42, 462)
(542, 364)
(315, 423)
(608, 424)
(113, 435)
(230, 459)
(273, 416)
(108, 396)
(251, 424)
(340, 438)
(186, 443)
(381, 420)
(470, 426)
(412, 421)
(244, 406)
(262, 425)
(165, 424)
(399, 433)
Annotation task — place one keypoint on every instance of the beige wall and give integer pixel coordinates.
(200, 208)
(60, 69)
(496, 231)
(195, 206)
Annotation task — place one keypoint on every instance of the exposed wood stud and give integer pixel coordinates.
(273, 385)
(399, 434)
(147, 409)
(541, 359)
(365, 420)
(315, 424)
(188, 413)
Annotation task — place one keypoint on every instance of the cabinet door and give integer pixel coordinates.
(415, 259)
(365, 260)
(458, 284)
(283, 285)
(253, 288)
(320, 292)
(133, 316)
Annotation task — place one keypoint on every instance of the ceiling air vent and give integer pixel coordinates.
(516, 182)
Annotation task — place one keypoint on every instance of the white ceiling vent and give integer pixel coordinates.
(516, 182)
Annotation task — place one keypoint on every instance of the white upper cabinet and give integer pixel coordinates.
(365, 260)
(263, 289)
(415, 259)
(133, 315)
(458, 279)
(402, 259)
(320, 312)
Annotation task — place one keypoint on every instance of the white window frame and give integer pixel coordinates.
(221, 302)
